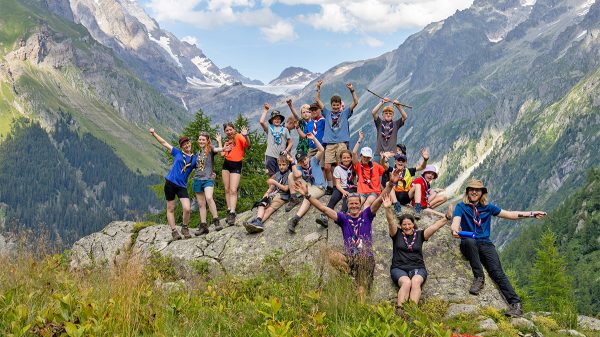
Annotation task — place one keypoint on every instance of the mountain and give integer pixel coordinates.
(235, 74)
(294, 76)
(505, 90)
(175, 67)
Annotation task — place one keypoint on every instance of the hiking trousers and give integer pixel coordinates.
(484, 254)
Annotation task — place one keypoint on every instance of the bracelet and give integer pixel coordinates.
(307, 196)
(352, 90)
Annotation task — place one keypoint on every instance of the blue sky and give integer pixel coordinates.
(260, 38)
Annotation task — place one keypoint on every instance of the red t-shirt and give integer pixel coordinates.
(369, 178)
(425, 187)
(237, 151)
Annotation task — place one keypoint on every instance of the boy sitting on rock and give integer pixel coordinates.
(277, 195)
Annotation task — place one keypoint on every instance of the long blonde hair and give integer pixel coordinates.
(483, 200)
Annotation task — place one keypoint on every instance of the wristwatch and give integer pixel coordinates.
(307, 196)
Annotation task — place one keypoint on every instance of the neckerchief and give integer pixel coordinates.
(412, 243)
(200, 160)
(335, 119)
(307, 173)
(427, 189)
(185, 163)
(365, 180)
(476, 217)
(402, 179)
(356, 242)
(387, 128)
(315, 121)
(350, 172)
(276, 135)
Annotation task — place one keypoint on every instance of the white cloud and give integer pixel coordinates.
(372, 42)
(280, 31)
(190, 39)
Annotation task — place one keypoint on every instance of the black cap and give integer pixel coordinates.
(300, 156)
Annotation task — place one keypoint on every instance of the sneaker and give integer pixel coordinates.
(254, 226)
(477, 285)
(294, 201)
(185, 231)
(322, 220)
(202, 229)
(217, 223)
(514, 310)
(175, 235)
(293, 223)
(230, 219)
(329, 190)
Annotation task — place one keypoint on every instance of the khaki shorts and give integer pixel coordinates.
(333, 152)
(313, 152)
(316, 191)
(277, 202)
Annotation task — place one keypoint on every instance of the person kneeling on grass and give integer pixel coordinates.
(277, 195)
(356, 228)
(408, 266)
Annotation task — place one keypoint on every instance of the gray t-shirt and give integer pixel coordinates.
(387, 135)
(282, 178)
(276, 140)
(204, 165)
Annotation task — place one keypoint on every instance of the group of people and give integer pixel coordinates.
(362, 179)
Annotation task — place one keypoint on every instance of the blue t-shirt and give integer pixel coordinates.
(314, 174)
(337, 129)
(310, 128)
(178, 175)
(478, 221)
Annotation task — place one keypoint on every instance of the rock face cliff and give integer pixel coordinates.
(235, 252)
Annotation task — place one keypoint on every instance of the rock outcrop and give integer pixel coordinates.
(233, 251)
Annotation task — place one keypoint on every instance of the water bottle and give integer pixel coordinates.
(466, 235)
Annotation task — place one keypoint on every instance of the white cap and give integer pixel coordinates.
(366, 152)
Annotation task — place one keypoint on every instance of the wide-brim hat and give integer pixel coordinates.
(433, 169)
(275, 114)
(477, 184)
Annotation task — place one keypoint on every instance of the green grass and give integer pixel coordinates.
(7, 111)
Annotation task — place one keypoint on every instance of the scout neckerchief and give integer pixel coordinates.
(427, 189)
(414, 239)
(402, 179)
(387, 128)
(356, 242)
(200, 160)
(365, 180)
(476, 217)
(185, 162)
(349, 172)
(315, 121)
(307, 173)
(276, 134)
(335, 119)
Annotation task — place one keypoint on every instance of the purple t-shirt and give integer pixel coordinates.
(357, 232)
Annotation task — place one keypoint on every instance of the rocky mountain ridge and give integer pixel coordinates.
(295, 76)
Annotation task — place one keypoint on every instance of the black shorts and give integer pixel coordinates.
(172, 190)
(402, 198)
(232, 166)
(397, 273)
(271, 165)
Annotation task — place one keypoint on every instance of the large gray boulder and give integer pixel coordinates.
(233, 251)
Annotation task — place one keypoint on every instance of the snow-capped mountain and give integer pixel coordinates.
(235, 74)
(294, 76)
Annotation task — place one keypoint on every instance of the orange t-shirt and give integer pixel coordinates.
(369, 178)
(237, 151)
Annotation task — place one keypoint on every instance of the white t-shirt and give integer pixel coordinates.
(340, 173)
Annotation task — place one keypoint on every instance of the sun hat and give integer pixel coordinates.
(433, 169)
(275, 114)
(366, 152)
(183, 140)
(476, 184)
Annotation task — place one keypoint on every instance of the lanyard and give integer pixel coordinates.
(414, 239)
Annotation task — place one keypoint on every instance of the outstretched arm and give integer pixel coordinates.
(318, 95)
(389, 215)
(160, 139)
(519, 215)
(263, 116)
(403, 114)
(291, 106)
(429, 231)
(303, 189)
(220, 147)
(354, 97)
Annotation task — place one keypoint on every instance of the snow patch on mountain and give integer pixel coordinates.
(294, 76)
(163, 41)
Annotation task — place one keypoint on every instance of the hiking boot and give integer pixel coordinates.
(202, 229)
(329, 190)
(217, 223)
(293, 223)
(322, 220)
(230, 218)
(514, 310)
(294, 201)
(477, 285)
(185, 231)
(254, 226)
(175, 234)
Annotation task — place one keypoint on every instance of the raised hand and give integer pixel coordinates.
(361, 135)
(289, 102)
(349, 86)
(301, 187)
(395, 176)
(310, 136)
(244, 131)
(319, 82)
(290, 158)
(387, 99)
(396, 102)
(218, 137)
(387, 200)
(151, 131)
(425, 153)
(266, 106)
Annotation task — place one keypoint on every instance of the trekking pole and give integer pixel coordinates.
(404, 105)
